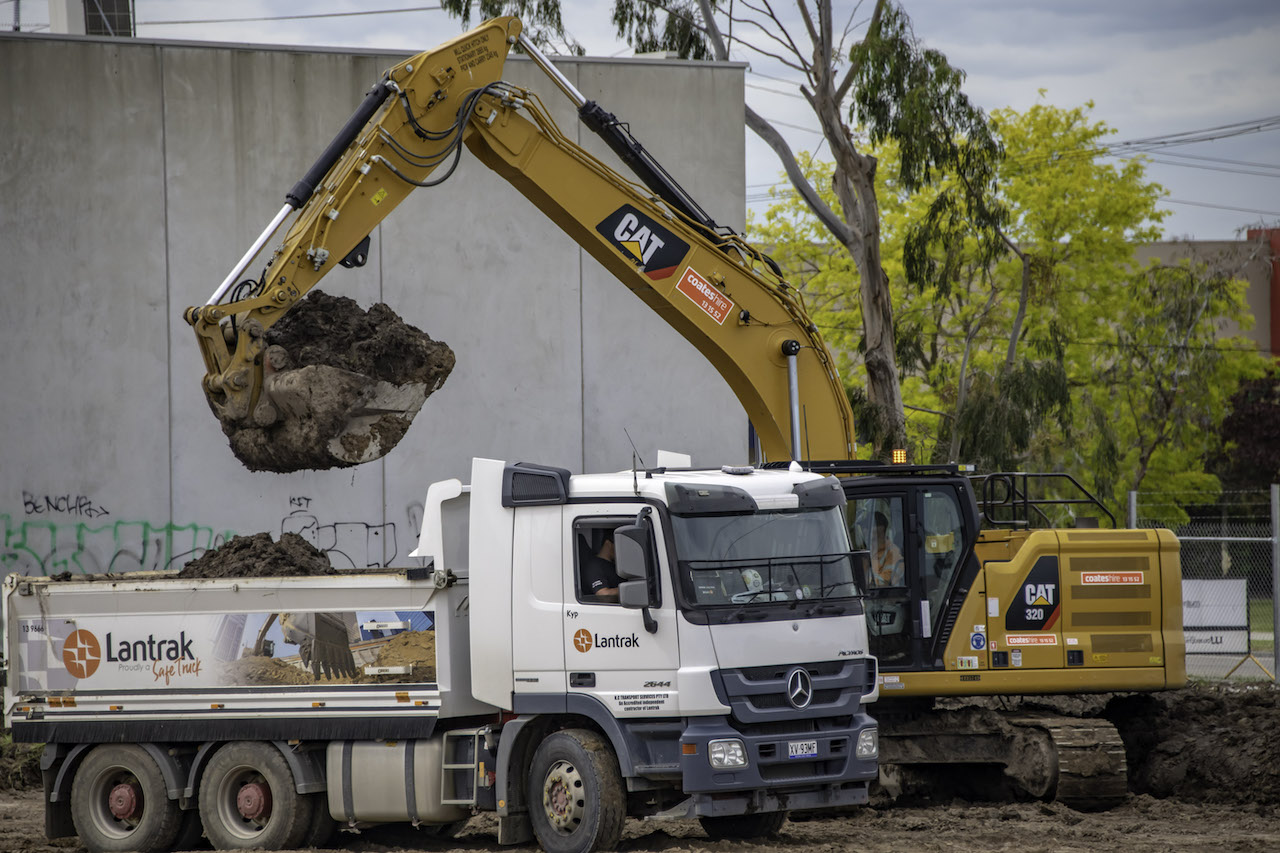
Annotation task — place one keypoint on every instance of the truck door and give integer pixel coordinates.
(608, 652)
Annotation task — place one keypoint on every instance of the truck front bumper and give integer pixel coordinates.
(812, 766)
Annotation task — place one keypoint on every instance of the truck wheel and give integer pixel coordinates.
(248, 799)
(119, 802)
(322, 826)
(575, 794)
(758, 825)
(191, 833)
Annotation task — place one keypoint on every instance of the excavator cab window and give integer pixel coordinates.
(943, 543)
(877, 525)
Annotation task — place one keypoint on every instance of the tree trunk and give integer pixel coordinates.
(859, 228)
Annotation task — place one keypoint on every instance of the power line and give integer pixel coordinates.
(1221, 206)
(1262, 172)
(292, 17)
(771, 77)
(1219, 160)
(774, 91)
(793, 126)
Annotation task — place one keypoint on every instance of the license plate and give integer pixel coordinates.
(802, 749)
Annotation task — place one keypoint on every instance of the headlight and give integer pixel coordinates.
(727, 753)
(868, 744)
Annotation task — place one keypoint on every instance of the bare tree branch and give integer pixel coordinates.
(761, 127)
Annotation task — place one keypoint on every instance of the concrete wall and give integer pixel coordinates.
(133, 174)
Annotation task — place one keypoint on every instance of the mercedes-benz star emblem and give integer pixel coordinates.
(799, 688)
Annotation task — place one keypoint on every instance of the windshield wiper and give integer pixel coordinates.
(829, 609)
(752, 615)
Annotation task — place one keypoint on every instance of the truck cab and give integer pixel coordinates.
(730, 672)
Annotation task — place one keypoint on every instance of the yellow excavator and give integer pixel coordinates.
(968, 596)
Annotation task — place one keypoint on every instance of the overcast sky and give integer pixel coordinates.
(1152, 68)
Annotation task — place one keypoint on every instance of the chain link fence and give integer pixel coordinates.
(1229, 577)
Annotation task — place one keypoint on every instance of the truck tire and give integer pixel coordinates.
(322, 826)
(248, 799)
(119, 802)
(191, 833)
(575, 794)
(758, 825)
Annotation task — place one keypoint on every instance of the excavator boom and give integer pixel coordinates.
(721, 294)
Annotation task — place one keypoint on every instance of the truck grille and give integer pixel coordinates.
(759, 694)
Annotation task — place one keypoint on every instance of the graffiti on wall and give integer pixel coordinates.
(83, 538)
(48, 547)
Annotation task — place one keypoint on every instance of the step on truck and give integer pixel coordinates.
(721, 673)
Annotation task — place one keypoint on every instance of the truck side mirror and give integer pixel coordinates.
(634, 546)
(637, 566)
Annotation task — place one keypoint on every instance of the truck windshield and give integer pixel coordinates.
(767, 556)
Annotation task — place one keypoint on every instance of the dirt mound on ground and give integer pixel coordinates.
(19, 764)
(1209, 743)
(329, 362)
(257, 556)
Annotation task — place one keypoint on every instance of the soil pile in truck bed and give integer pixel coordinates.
(332, 365)
(257, 556)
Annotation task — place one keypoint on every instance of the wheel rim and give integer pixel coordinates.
(244, 802)
(562, 797)
(118, 804)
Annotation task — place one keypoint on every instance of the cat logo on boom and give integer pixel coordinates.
(641, 240)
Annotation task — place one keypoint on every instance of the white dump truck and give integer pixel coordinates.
(721, 673)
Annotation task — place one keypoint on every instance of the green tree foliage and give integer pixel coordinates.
(1250, 455)
(1056, 353)
(671, 26)
(541, 18)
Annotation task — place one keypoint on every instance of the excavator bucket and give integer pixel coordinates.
(340, 387)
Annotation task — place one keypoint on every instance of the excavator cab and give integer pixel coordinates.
(916, 563)
(919, 525)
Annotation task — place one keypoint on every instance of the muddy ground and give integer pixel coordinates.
(1203, 765)
(325, 358)
(1143, 825)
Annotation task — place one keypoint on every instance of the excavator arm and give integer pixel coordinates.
(717, 291)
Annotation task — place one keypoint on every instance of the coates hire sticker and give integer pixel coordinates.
(1124, 578)
(1031, 639)
(654, 249)
(704, 295)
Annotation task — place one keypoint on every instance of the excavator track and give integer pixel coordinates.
(1092, 773)
(1079, 762)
